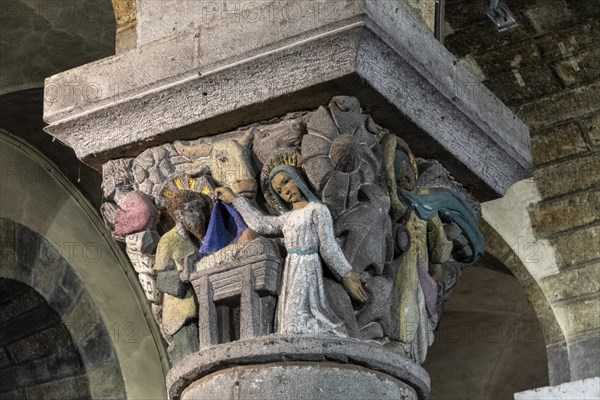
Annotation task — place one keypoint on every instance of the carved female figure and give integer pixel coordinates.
(421, 239)
(307, 230)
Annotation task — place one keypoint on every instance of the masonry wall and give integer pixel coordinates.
(548, 71)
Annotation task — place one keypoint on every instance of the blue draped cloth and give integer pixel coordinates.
(226, 225)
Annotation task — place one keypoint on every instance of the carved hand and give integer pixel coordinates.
(225, 194)
(354, 286)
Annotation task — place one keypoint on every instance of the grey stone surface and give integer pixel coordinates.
(82, 319)
(69, 388)
(36, 347)
(236, 295)
(584, 357)
(315, 58)
(168, 282)
(26, 251)
(576, 390)
(52, 37)
(296, 348)
(66, 292)
(558, 363)
(19, 304)
(7, 246)
(49, 273)
(44, 317)
(104, 382)
(301, 381)
(96, 348)
(48, 357)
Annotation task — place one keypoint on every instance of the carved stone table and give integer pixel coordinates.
(236, 290)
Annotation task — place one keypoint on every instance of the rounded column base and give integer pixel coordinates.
(297, 367)
(302, 380)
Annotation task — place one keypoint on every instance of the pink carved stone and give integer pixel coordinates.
(137, 214)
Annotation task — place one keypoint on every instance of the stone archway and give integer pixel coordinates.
(38, 199)
(34, 261)
(556, 346)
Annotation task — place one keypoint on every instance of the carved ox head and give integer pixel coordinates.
(227, 161)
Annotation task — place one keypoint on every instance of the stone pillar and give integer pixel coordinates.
(365, 112)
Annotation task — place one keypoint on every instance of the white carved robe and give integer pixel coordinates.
(308, 235)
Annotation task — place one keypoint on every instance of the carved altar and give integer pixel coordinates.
(237, 290)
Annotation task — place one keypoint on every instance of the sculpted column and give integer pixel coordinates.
(297, 195)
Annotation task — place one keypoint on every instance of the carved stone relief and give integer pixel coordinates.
(320, 223)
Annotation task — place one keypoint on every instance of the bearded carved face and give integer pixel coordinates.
(192, 218)
(192, 210)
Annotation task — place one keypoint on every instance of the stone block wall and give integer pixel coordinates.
(547, 70)
(36, 359)
(53, 341)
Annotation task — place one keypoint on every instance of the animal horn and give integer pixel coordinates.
(246, 138)
(193, 151)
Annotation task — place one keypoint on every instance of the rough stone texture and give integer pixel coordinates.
(581, 68)
(102, 382)
(11, 331)
(577, 315)
(558, 362)
(579, 209)
(576, 390)
(559, 142)
(137, 214)
(572, 283)
(43, 351)
(591, 127)
(584, 355)
(578, 246)
(522, 85)
(13, 395)
(49, 270)
(50, 207)
(38, 355)
(68, 388)
(465, 13)
(52, 38)
(125, 15)
(290, 381)
(192, 105)
(19, 305)
(40, 344)
(82, 318)
(298, 348)
(577, 173)
(7, 245)
(562, 43)
(461, 43)
(549, 16)
(96, 348)
(562, 106)
(26, 251)
(237, 287)
(66, 293)
(521, 54)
